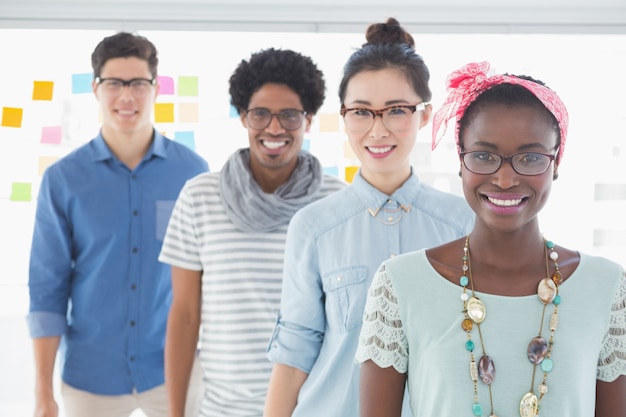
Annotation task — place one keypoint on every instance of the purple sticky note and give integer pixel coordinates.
(51, 134)
(166, 85)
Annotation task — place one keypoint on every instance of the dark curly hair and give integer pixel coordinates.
(280, 66)
(512, 95)
(124, 45)
(388, 46)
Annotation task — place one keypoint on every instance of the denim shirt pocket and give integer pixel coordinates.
(346, 292)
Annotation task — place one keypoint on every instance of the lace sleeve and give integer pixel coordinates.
(382, 338)
(612, 360)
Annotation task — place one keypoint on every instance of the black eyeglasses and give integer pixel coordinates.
(395, 118)
(138, 86)
(259, 118)
(524, 163)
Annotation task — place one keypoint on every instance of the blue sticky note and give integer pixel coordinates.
(186, 138)
(334, 171)
(81, 83)
(233, 112)
(306, 145)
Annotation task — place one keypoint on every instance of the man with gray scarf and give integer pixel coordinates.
(226, 237)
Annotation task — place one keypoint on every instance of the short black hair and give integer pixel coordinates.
(279, 66)
(124, 45)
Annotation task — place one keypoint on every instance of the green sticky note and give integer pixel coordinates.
(187, 86)
(20, 191)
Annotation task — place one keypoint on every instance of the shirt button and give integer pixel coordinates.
(135, 250)
(135, 212)
(389, 218)
(132, 359)
(133, 287)
(391, 255)
(132, 323)
(338, 279)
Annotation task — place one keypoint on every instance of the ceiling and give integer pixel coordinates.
(426, 16)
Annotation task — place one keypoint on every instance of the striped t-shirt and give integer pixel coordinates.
(241, 287)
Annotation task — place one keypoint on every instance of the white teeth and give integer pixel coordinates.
(380, 150)
(505, 203)
(273, 145)
(126, 112)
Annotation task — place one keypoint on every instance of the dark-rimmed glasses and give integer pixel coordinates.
(524, 163)
(395, 118)
(259, 118)
(137, 86)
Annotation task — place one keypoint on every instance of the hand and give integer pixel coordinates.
(48, 408)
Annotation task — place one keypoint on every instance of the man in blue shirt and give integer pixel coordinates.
(96, 286)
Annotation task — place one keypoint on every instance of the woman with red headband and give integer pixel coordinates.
(502, 322)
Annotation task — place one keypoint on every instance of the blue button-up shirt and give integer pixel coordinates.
(94, 277)
(334, 247)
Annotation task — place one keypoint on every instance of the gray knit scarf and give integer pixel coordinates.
(253, 210)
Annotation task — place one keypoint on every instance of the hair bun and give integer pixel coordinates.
(388, 33)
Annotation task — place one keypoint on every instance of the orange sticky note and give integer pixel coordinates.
(45, 162)
(42, 90)
(350, 173)
(164, 112)
(329, 122)
(12, 117)
(188, 112)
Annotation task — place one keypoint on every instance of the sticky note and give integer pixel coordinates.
(334, 171)
(329, 122)
(164, 112)
(350, 173)
(51, 134)
(186, 138)
(12, 116)
(187, 86)
(81, 83)
(306, 144)
(166, 85)
(20, 191)
(45, 162)
(188, 112)
(233, 112)
(42, 90)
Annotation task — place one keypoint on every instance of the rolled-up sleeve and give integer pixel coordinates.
(50, 264)
(299, 330)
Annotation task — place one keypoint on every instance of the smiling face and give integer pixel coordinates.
(505, 199)
(125, 113)
(384, 154)
(274, 150)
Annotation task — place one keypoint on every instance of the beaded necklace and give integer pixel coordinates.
(539, 350)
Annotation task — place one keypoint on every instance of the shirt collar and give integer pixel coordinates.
(374, 199)
(157, 148)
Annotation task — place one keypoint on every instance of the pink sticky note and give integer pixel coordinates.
(51, 134)
(166, 84)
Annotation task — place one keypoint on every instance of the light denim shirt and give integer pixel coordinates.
(94, 277)
(334, 247)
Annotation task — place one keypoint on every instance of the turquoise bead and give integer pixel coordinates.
(557, 300)
(546, 365)
(469, 345)
(477, 409)
(464, 281)
(549, 244)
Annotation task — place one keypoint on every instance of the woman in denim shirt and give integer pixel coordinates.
(335, 245)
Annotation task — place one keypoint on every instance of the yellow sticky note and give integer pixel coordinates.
(164, 112)
(329, 122)
(12, 117)
(348, 152)
(20, 191)
(188, 112)
(350, 173)
(187, 86)
(42, 90)
(45, 162)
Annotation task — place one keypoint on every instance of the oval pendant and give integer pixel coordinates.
(529, 406)
(486, 369)
(537, 350)
(546, 290)
(476, 310)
